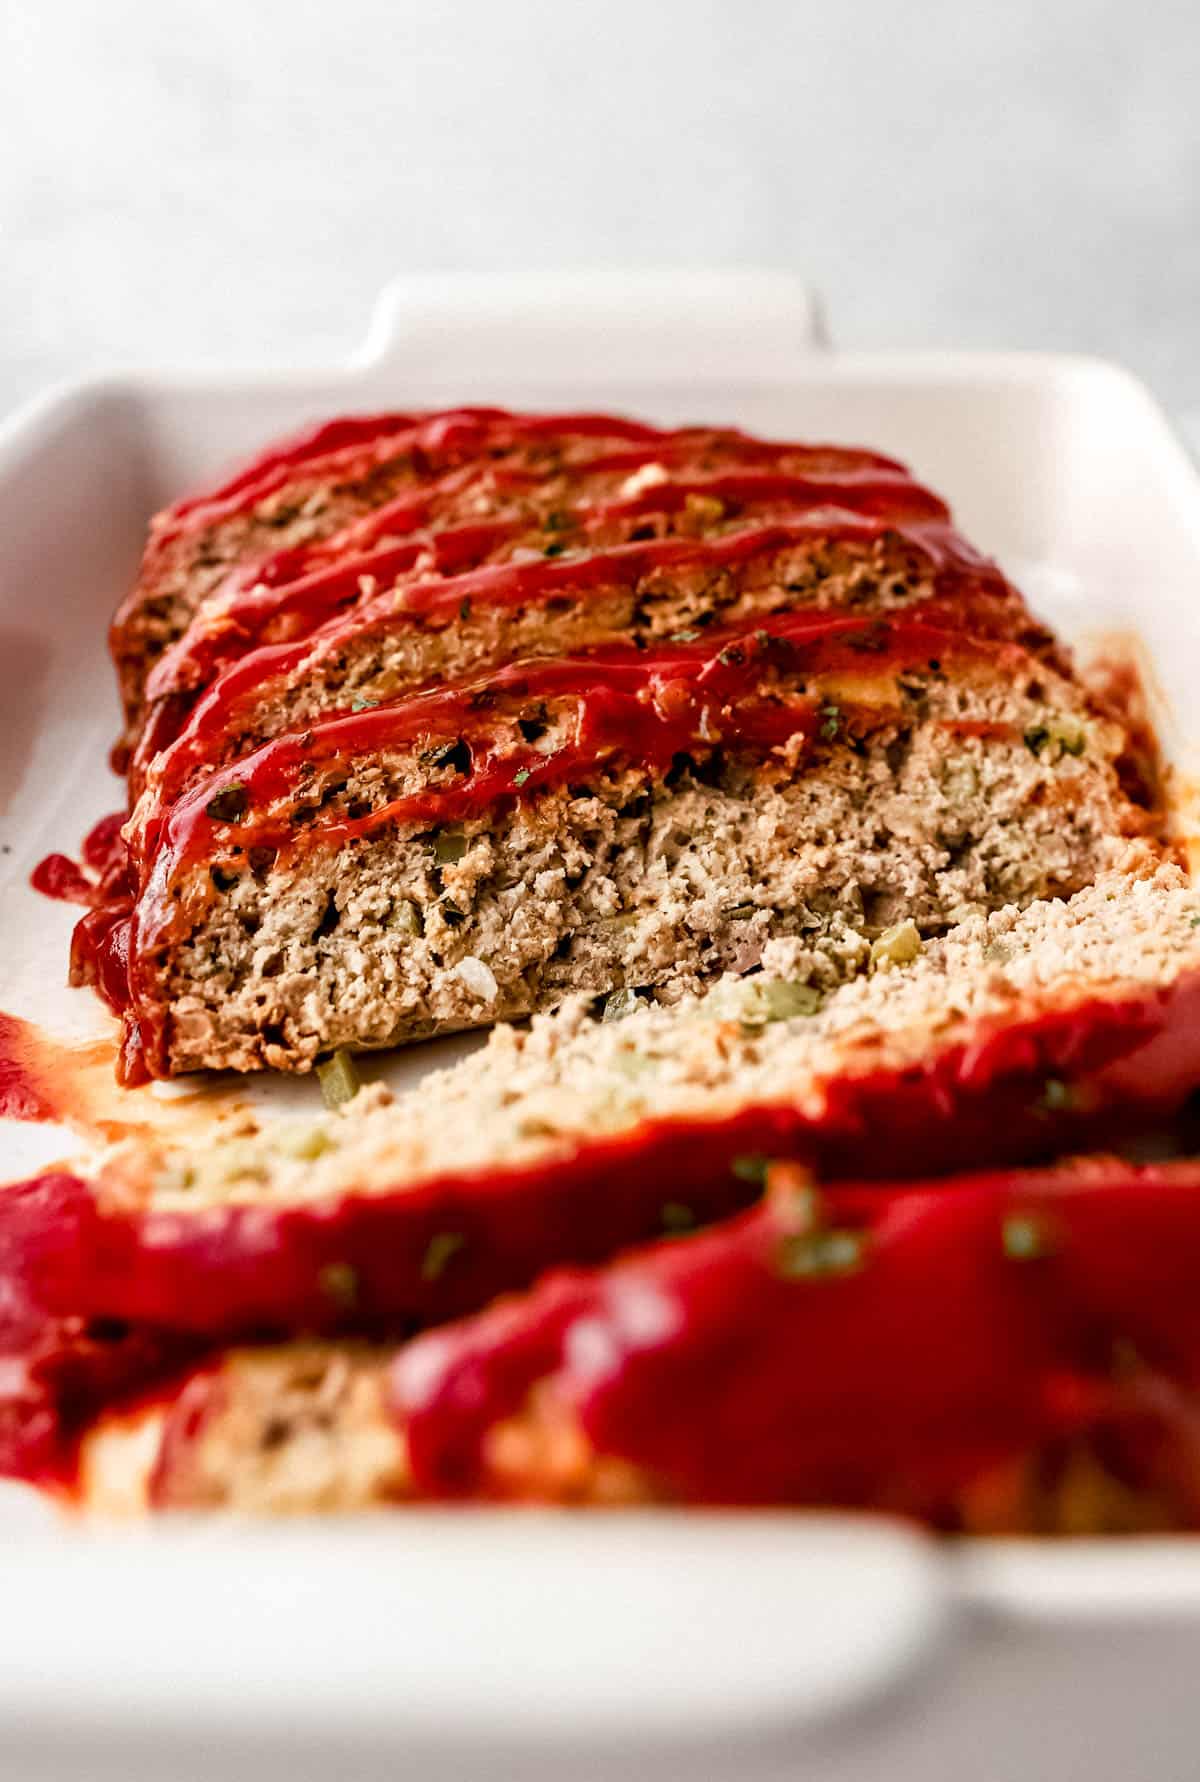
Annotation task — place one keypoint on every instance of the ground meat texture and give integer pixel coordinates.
(193, 549)
(386, 650)
(634, 882)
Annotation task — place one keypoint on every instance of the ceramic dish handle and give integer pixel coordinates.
(717, 327)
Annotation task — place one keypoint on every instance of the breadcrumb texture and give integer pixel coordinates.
(784, 1034)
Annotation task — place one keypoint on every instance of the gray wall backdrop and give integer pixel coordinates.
(235, 178)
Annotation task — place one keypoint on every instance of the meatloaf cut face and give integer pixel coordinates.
(1006, 1353)
(1013, 1037)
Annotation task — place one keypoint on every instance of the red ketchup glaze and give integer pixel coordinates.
(56, 1374)
(878, 640)
(740, 1367)
(860, 492)
(299, 592)
(455, 434)
(102, 854)
(26, 1085)
(436, 442)
(236, 1270)
(637, 706)
(63, 879)
(273, 612)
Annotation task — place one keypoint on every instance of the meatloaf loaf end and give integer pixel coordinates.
(994, 1354)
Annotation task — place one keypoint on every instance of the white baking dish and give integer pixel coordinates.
(471, 1644)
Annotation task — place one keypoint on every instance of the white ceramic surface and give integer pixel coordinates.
(221, 180)
(491, 1645)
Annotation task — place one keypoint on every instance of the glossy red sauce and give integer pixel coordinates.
(729, 1368)
(89, 880)
(235, 1270)
(56, 1374)
(27, 1087)
(632, 706)
(192, 741)
(63, 879)
(454, 433)
(256, 610)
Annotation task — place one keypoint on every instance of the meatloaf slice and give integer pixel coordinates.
(1004, 1353)
(302, 492)
(474, 516)
(631, 818)
(1015, 1035)
(404, 629)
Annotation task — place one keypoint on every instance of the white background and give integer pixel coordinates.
(233, 179)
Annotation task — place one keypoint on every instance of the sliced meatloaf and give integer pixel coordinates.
(354, 482)
(451, 716)
(1015, 1035)
(1007, 1353)
(377, 626)
(628, 816)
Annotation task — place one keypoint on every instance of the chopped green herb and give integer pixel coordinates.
(1194, 921)
(731, 657)
(363, 705)
(229, 805)
(677, 1218)
(464, 608)
(620, 1004)
(738, 912)
(339, 1079)
(1025, 1238)
(440, 1251)
(520, 777)
(802, 1255)
(750, 1169)
(449, 845)
(1057, 1097)
(831, 717)
(338, 1281)
(684, 636)
(762, 639)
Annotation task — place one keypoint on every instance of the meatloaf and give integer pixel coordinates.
(440, 719)
(1016, 1035)
(1003, 1353)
